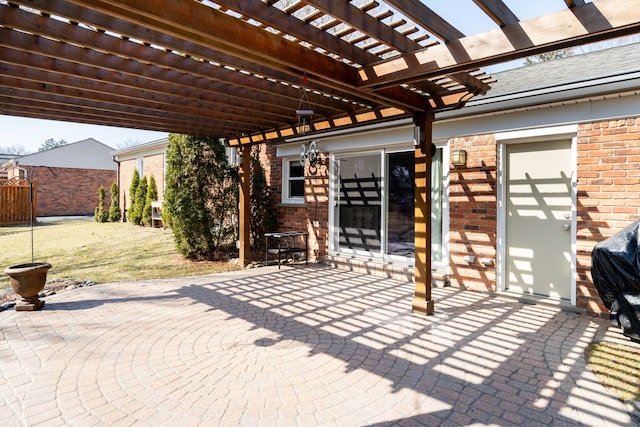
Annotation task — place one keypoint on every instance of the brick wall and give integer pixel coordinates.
(313, 215)
(473, 215)
(152, 165)
(608, 200)
(608, 193)
(71, 191)
(126, 173)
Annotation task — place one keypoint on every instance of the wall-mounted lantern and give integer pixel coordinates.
(459, 157)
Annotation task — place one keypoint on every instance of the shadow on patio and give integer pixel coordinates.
(479, 359)
(310, 346)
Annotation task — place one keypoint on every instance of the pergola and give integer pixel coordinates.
(239, 70)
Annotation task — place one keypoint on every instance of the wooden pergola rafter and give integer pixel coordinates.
(213, 64)
(238, 70)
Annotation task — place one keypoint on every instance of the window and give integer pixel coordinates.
(292, 181)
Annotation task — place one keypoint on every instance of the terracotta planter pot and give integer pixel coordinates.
(27, 280)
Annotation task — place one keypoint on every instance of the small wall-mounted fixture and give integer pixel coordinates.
(469, 259)
(459, 157)
(311, 153)
(486, 261)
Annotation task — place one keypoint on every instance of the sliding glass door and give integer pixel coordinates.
(373, 205)
(358, 204)
(400, 202)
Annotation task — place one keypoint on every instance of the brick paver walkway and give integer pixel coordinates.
(299, 346)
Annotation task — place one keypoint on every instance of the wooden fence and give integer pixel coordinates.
(15, 205)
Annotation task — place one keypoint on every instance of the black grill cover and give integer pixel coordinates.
(615, 268)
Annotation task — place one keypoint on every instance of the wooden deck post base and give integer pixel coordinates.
(422, 306)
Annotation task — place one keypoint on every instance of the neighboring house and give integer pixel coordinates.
(68, 177)
(4, 158)
(149, 159)
(552, 167)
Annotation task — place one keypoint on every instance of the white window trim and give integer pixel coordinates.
(286, 199)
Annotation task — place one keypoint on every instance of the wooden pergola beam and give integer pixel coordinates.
(498, 11)
(574, 3)
(213, 78)
(101, 109)
(193, 21)
(106, 104)
(423, 15)
(152, 37)
(134, 90)
(50, 111)
(591, 22)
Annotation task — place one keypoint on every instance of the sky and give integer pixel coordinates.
(31, 133)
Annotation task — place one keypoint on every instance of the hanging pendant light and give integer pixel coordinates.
(304, 113)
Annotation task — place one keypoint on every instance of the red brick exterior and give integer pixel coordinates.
(608, 193)
(152, 165)
(472, 212)
(608, 199)
(70, 191)
(313, 215)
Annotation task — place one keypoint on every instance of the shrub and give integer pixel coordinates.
(135, 181)
(140, 198)
(152, 196)
(115, 214)
(99, 214)
(262, 209)
(200, 202)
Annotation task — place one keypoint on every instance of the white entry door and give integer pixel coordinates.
(538, 219)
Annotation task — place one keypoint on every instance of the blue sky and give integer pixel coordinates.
(31, 133)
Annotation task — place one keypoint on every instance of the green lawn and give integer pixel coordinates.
(86, 250)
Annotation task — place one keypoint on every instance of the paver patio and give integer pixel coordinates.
(300, 346)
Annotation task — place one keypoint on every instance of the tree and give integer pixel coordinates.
(140, 198)
(128, 143)
(549, 56)
(135, 180)
(261, 203)
(152, 196)
(200, 202)
(52, 143)
(15, 150)
(114, 209)
(100, 214)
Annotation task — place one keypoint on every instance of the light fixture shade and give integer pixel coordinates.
(459, 157)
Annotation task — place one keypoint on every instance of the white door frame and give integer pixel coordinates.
(568, 132)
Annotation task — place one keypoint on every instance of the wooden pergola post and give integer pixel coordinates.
(245, 188)
(422, 302)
